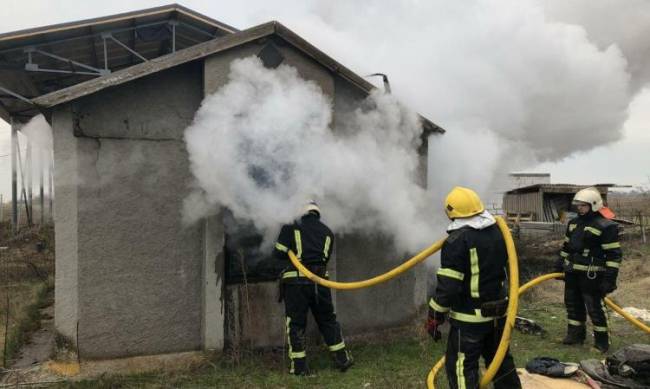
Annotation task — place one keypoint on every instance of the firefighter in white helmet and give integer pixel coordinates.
(470, 291)
(590, 259)
(312, 242)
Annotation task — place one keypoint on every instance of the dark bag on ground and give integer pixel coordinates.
(631, 361)
(551, 367)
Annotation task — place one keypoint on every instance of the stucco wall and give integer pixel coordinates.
(65, 217)
(139, 270)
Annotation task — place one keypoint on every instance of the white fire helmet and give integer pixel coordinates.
(590, 196)
(310, 206)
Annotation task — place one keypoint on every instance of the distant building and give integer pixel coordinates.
(544, 202)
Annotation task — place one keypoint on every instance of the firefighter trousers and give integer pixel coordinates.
(299, 299)
(466, 346)
(582, 296)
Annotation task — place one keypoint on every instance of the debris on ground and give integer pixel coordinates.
(551, 367)
(528, 326)
(643, 314)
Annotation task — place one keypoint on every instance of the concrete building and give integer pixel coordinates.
(130, 279)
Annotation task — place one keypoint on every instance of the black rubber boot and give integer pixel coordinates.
(601, 341)
(343, 360)
(575, 335)
(300, 367)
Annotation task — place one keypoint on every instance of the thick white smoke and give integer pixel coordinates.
(263, 144)
(39, 132)
(612, 22)
(538, 87)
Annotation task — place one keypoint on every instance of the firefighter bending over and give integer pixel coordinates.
(471, 292)
(590, 259)
(312, 242)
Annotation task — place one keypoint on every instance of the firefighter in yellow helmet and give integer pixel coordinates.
(590, 259)
(470, 291)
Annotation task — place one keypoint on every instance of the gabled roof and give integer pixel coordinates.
(202, 50)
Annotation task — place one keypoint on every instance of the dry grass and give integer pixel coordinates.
(26, 270)
(629, 203)
(402, 358)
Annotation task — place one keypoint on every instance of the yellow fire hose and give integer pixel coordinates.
(372, 281)
(524, 288)
(513, 298)
(642, 326)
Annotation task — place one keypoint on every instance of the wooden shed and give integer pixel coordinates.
(544, 202)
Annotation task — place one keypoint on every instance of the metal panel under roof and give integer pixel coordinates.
(42, 60)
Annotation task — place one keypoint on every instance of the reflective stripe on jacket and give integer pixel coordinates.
(472, 272)
(591, 244)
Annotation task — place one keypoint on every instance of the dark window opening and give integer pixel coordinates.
(245, 258)
(270, 56)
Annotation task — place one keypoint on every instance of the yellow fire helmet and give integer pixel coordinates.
(463, 202)
(590, 196)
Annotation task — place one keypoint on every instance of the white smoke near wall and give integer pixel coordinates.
(39, 132)
(39, 135)
(538, 87)
(262, 145)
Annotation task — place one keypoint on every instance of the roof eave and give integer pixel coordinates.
(208, 48)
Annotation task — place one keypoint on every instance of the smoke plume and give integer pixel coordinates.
(263, 144)
(537, 86)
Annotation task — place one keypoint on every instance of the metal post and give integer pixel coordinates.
(50, 179)
(41, 171)
(2, 208)
(105, 54)
(23, 192)
(14, 177)
(641, 222)
(173, 37)
(7, 306)
(29, 173)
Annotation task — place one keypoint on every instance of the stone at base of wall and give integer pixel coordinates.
(131, 365)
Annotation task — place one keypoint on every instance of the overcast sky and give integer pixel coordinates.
(529, 85)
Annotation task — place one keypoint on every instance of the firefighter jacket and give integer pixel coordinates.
(591, 245)
(472, 272)
(311, 241)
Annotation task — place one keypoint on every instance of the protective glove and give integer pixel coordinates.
(608, 283)
(432, 328)
(558, 267)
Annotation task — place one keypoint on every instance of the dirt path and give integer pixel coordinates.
(41, 344)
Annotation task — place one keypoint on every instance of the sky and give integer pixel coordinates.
(520, 85)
